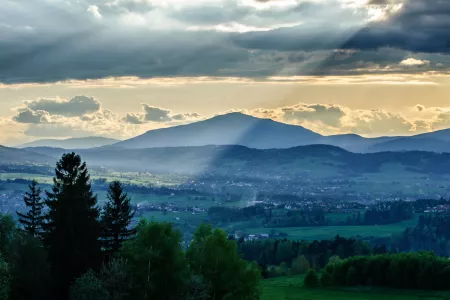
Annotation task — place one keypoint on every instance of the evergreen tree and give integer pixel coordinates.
(72, 227)
(116, 217)
(33, 219)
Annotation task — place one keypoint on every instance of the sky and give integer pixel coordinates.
(117, 68)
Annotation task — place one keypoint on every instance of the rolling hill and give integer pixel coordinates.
(72, 143)
(308, 161)
(19, 156)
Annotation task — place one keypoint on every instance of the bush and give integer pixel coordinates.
(300, 265)
(5, 279)
(117, 281)
(88, 287)
(352, 276)
(311, 280)
(326, 279)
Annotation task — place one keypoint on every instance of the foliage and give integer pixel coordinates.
(116, 279)
(8, 232)
(88, 287)
(311, 279)
(32, 221)
(116, 217)
(197, 289)
(300, 265)
(215, 258)
(29, 270)
(274, 252)
(422, 270)
(72, 230)
(5, 279)
(156, 261)
(326, 279)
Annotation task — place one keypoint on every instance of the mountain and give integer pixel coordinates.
(228, 129)
(437, 141)
(244, 130)
(72, 143)
(423, 143)
(312, 161)
(19, 156)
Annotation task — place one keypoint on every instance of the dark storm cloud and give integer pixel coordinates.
(420, 26)
(72, 40)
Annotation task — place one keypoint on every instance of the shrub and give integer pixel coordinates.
(326, 279)
(311, 280)
(88, 287)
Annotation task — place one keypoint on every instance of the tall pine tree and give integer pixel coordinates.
(32, 221)
(116, 217)
(73, 228)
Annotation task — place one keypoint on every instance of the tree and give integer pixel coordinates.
(352, 276)
(311, 280)
(88, 287)
(8, 233)
(197, 289)
(156, 261)
(32, 221)
(326, 279)
(5, 279)
(116, 217)
(72, 229)
(300, 265)
(30, 271)
(116, 279)
(215, 258)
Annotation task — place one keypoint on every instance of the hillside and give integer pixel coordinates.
(18, 156)
(416, 143)
(72, 143)
(229, 129)
(309, 161)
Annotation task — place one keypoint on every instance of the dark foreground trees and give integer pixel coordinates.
(72, 230)
(421, 270)
(32, 221)
(116, 217)
(66, 260)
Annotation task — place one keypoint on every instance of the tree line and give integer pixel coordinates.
(69, 248)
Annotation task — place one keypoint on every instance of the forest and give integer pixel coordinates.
(66, 247)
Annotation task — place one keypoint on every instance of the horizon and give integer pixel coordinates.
(118, 140)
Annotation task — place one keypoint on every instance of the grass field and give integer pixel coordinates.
(327, 232)
(291, 288)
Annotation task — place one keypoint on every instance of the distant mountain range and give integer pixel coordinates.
(244, 130)
(252, 132)
(72, 143)
(314, 161)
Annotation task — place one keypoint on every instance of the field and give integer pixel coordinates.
(327, 232)
(291, 288)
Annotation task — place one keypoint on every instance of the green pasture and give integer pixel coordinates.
(291, 288)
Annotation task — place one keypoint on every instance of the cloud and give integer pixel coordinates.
(156, 114)
(159, 115)
(76, 106)
(93, 9)
(247, 38)
(414, 62)
(134, 118)
(327, 114)
(26, 115)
